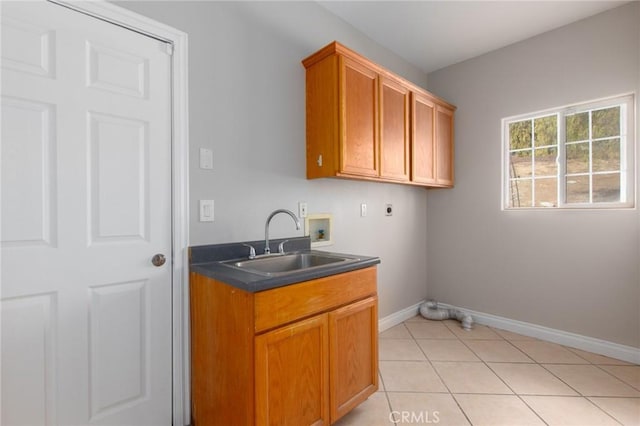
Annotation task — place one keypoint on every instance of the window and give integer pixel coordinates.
(579, 156)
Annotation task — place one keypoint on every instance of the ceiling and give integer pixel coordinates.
(438, 33)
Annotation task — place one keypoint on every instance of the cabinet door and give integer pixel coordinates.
(444, 146)
(423, 150)
(292, 374)
(358, 132)
(394, 130)
(353, 351)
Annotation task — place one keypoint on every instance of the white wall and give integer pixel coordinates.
(576, 271)
(247, 103)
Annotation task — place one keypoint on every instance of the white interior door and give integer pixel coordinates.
(86, 204)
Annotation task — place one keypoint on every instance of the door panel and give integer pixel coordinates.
(359, 130)
(86, 202)
(28, 154)
(353, 349)
(394, 130)
(119, 353)
(117, 71)
(423, 140)
(28, 352)
(292, 374)
(36, 52)
(119, 182)
(444, 149)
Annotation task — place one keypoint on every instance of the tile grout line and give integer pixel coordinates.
(466, 416)
(534, 362)
(481, 360)
(580, 394)
(502, 380)
(386, 396)
(610, 415)
(616, 377)
(467, 344)
(596, 405)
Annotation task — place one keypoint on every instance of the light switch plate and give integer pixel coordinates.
(206, 211)
(206, 158)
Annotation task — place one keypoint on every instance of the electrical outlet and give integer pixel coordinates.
(363, 210)
(389, 210)
(302, 209)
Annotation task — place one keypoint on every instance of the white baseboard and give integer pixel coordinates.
(398, 317)
(578, 341)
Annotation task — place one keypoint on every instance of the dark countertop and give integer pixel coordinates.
(206, 260)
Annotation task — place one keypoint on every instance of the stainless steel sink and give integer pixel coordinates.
(277, 264)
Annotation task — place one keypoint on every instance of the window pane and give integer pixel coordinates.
(578, 158)
(546, 131)
(582, 161)
(520, 135)
(606, 122)
(577, 127)
(606, 188)
(606, 155)
(577, 189)
(520, 193)
(520, 164)
(546, 192)
(546, 162)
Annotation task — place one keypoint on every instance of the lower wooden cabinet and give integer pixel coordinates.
(304, 354)
(292, 374)
(353, 355)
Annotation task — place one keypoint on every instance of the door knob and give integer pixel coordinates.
(158, 259)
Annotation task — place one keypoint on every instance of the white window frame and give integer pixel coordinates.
(627, 153)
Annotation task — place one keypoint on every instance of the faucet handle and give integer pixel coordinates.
(281, 246)
(252, 251)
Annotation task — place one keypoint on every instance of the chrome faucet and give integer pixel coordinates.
(267, 250)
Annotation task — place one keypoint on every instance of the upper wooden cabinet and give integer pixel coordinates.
(423, 166)
(359, 95)
(364, 122)
(394, 130)
(431, 142)
(444, 146)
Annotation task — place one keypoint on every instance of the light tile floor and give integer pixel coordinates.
(436, 373)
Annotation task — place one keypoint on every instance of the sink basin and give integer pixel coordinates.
(279, 264)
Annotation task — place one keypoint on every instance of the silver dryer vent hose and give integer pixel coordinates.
(430, 310)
